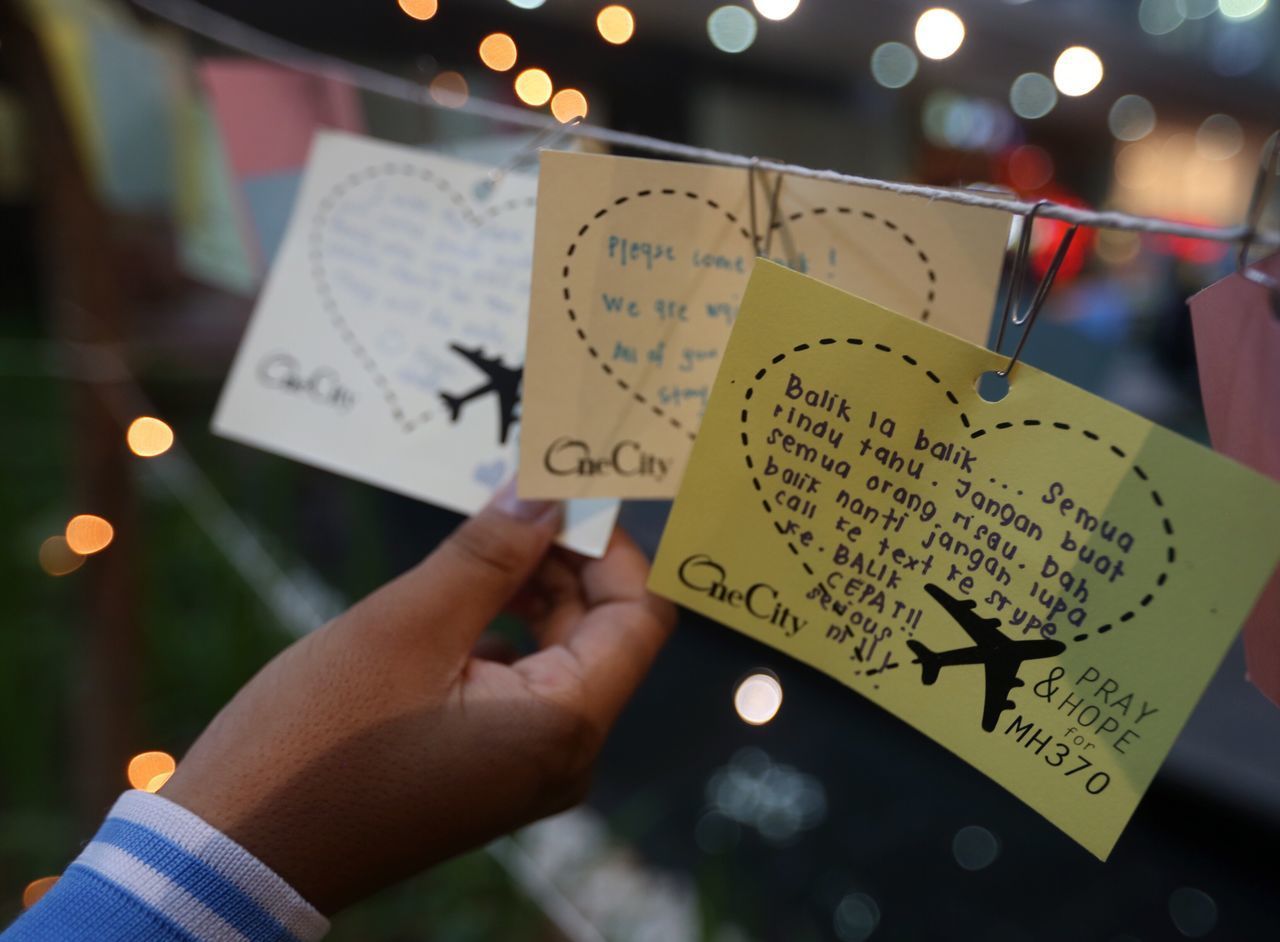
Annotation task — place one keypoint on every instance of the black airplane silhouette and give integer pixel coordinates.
(999, 654)
(504, 382)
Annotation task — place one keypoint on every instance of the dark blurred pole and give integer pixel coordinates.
(87, 301)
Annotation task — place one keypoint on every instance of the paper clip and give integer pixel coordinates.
(1268, 165)
(752, 169)
(543, 139)
(1020, 265)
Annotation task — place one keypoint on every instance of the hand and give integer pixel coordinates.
(379, 744)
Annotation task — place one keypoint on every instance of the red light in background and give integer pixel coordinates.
(1029, 168)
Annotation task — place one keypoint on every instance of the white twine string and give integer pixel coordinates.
(234, 34)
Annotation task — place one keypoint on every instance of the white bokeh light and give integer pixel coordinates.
(1198, 9)
(1032, 95)
(1241, 9)
(732, 29)
(939, 33)
(893, 65)
(758, 699)
(1077, 71)
(1158, 17)
(1131, 118)
(527, 4)
(1219, 137)
(775, 9)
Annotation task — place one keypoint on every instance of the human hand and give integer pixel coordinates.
(380, 744)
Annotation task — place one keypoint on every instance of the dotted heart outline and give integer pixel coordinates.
(908, 360)
(930, 273)
(330, 303)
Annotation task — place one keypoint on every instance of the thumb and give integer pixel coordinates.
(451, 596)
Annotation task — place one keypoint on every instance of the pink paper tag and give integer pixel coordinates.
(268, 114)
(1238, 349)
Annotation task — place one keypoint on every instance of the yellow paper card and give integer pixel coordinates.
(639, 268)
(1043, 585)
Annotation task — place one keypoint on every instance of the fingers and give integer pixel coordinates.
(551, 602)
(615, 642)
(450, 597)
(619, 576)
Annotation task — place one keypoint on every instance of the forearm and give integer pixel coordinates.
(154, 872)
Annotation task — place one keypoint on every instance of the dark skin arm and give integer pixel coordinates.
(380, 744)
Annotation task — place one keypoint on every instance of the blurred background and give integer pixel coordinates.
(148, 569)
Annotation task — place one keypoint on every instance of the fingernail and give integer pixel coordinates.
(506, 501)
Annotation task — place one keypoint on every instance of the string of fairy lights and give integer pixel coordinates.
(61, 554)
(949, 119)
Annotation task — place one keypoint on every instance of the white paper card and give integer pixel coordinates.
(389, 341)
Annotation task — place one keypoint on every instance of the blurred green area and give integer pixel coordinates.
(204, 633)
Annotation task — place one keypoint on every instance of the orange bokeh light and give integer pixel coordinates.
(149, 770)
(57, 558)
(449, 89)
(420, 9)
(567, 104)
(148, 437)
(36, 889)
(498, 51)
(87, 534)
(533, 87)
(616, 24)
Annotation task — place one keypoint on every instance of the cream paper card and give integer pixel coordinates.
(639, 269)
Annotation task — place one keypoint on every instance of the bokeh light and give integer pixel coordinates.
(449, 89)
(1136, 165)
(1219, 137)
(533, 87)
(1131, 118)
(1235, 52)
(939, 33)
(1077, 71)
(567, 104)
(1194, 913)
(776, 9)
(732, 29)
(420, 9)
(894, 65)
(974, 847)
(1158, 17)
(1032, 95)
(964, 123)
(498, 51)
(57, 558)
(149, 770)
(87, 534)
(148, 436)
(1030, 167)
(1241, 9)
(758, 699)
(615, 24)
(856, 917)
(1198, 9)
(1117, 247)
(35, 890)
(527, 4)
(777, 800)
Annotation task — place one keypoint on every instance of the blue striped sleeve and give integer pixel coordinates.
(155, 872)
